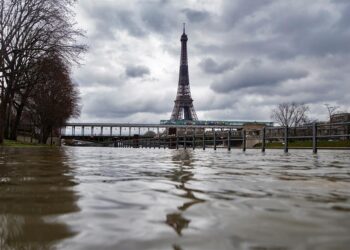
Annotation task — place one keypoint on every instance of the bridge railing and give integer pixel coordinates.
(313, 136)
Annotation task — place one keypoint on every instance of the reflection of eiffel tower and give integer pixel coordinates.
(183, 108)
(182, 175)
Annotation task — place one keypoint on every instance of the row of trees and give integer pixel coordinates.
(38, 44)
(294, 114)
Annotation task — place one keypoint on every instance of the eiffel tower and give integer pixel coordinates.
(183, 108)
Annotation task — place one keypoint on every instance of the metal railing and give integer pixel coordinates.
(313, 133)
(224, 136)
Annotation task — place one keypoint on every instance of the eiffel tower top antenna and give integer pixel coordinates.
(184, 28)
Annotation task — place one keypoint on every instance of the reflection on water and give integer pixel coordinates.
(182, 174)
(116, 198)
(35, 187)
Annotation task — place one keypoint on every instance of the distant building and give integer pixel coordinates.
(337, 128)
(341, 117)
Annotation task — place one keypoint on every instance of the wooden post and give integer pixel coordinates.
(82, 130)
(314, 137)
(101, 133)
(194, 139)
(244, 140)
(129, 132)
(166, 137)
(158, 137)
(120, 131)
(203, 138)
(177, 139)
(263, 143)
(286, 139)
(92, 131)
(214, 138)
(185, 134)
(111, 131)
(73, 131)
(229, 140)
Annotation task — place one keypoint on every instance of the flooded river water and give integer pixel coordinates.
(118, 198)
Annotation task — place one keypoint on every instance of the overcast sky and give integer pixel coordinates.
(245, 57)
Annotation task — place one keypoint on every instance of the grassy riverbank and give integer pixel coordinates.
(308, 144)
(18, 144)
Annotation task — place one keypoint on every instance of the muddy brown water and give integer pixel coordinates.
(118, 198)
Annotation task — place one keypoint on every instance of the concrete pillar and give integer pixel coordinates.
(244, 140)
(286, 131)
(214, 138)
(229, 140)
(194, 139)
(314, 138)
(263, 142)
(204, 139)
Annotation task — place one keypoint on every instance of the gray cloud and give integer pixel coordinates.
(257, 74)
(236, 11)
(158, 16)
(196, 15)
(208, 65)
(136, 71)
(109, 18)
(129, 104)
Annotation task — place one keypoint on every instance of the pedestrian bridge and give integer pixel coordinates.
(131, 129)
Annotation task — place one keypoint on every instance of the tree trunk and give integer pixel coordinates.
(2, 121)
(3, 109)
(45, 133)
(8, 122)
(14, 128)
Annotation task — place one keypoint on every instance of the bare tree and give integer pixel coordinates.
(55, 98)
(29, 30)
(31, 79)
(290, 114)
(331, 111)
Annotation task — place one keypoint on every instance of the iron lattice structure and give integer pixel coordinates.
(183, 108)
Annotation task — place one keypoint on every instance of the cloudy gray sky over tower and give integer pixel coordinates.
(244, 57)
